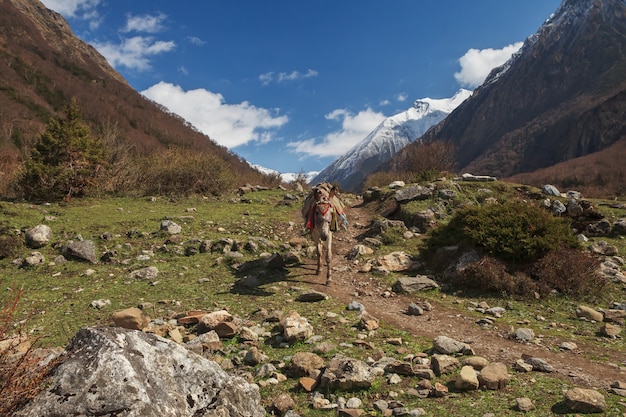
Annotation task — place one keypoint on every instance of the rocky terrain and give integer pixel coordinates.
(349, 359)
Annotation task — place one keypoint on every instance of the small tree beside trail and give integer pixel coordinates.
(65, 160)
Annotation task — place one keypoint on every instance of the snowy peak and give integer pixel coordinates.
(389, 137)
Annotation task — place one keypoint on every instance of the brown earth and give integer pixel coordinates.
(348, 285)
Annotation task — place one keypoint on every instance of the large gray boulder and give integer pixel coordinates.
(115, 371)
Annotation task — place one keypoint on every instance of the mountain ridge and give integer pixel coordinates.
(46, 66)
(561, 97)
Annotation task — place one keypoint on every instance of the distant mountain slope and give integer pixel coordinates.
(391, 136)
(44, 65)
(562, 96)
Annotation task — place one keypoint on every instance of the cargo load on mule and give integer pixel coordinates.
(328, 192)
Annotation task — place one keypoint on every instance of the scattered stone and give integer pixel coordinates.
(227, 329)
(101, 303)
(210, 321)
(476, 362)
(355, 306)
(130, 318)
(571, 346)
(83, 250)
(538, 364)
(524, 334)
(408, 285)
(39, 236)
(444, 364)
(149, 273)
(359, 251)
(308, 384)
(524, 404)
(550, 190)
(170, 227)
(398, 261)
(602, 247)
(496, 312)
(368, 322)
(296, 328)
(494, 376)
(439, 390)
(589, 313)
(467, 379)
(312, 296)
(415, 310)
(304, 364)
(449, 346)
(31, 261)
(610, 330)
(580, 400)
(346, 374)
(521, 366)
(411, 193)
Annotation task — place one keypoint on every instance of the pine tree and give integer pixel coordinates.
(65, 160)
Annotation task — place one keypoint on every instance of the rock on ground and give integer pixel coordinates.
(116, 371)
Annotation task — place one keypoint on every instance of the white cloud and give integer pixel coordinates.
(354, 128)
(281, 77)
(76, 9)
(476, 64)
(195, 40)
(266, 78)
(147, 23)
(229, 125)
(133, 53)
(401, 97)
(384, 102)
(72, 8)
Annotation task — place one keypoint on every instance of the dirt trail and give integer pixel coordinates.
(349, 285)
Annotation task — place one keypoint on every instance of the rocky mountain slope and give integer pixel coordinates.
(391, 136)
(45, 65)
(561, 97)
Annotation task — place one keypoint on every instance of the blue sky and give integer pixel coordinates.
(291, 85)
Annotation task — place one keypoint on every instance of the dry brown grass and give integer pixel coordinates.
(600, 174)
(22, 368)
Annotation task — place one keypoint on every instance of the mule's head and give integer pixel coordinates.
(323, 217)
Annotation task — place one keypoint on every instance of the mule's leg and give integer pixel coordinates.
(319, 250)
(329, 257)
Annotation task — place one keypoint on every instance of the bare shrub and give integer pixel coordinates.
(21, 374)
(491, 275)
(569, 271)
(10, 243)
(179, 172)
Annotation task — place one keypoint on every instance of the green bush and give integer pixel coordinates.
(65, 161)
(514, 231)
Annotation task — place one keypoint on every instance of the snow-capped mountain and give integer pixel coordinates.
(391, 136)
(287, 177)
